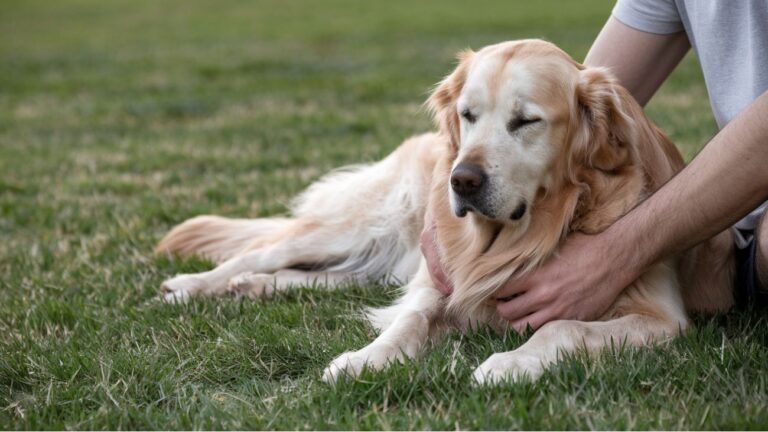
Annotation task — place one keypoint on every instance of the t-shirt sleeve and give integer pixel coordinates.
(651, 16)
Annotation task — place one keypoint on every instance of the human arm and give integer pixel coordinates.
(641, 61)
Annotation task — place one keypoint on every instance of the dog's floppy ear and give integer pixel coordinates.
(442, 102)
(610, 131)
(602, 126)
(617, 155)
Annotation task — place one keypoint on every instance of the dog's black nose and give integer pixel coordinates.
(467, 179)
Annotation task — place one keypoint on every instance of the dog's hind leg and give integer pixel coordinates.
(303, 243)
(414, 323)
(649, 317)
(257, 285)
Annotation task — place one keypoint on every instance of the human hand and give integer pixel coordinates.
(432, 256)
(580, 282)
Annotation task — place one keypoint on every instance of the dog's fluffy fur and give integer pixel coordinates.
(566, 140)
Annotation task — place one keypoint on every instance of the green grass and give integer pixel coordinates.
(119, 119)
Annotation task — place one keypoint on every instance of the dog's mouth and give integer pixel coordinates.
(463, 208)
(519, 211)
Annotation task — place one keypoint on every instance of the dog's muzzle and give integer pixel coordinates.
(468, 183)
(471, 189)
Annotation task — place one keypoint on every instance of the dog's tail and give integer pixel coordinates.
(215, 237)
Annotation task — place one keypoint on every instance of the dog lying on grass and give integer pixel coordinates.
(531, 146)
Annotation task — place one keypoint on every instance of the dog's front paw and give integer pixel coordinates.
(348, 365)
(508, 367)
(254, 285)
(180, 288)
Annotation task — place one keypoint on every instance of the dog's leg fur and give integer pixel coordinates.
(652, 311)
(412, 326)
(304, 242)
(256, 285)
(558, 337)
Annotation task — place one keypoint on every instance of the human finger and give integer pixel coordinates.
(534, 320)
(520, 306)
(513, 287)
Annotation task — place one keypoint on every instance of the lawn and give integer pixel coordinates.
(119, 119)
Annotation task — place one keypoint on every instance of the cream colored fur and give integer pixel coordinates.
(590, 157)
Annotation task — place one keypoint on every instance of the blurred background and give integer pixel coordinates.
(130, 97)
(121, 96)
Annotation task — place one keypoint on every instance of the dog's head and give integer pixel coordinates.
(523, 119)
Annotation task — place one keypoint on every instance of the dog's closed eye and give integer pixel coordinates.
(467, 114)
(519, 122)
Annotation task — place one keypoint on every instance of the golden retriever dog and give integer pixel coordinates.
(531, 146)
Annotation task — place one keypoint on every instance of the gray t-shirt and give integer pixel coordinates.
(730, 38)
